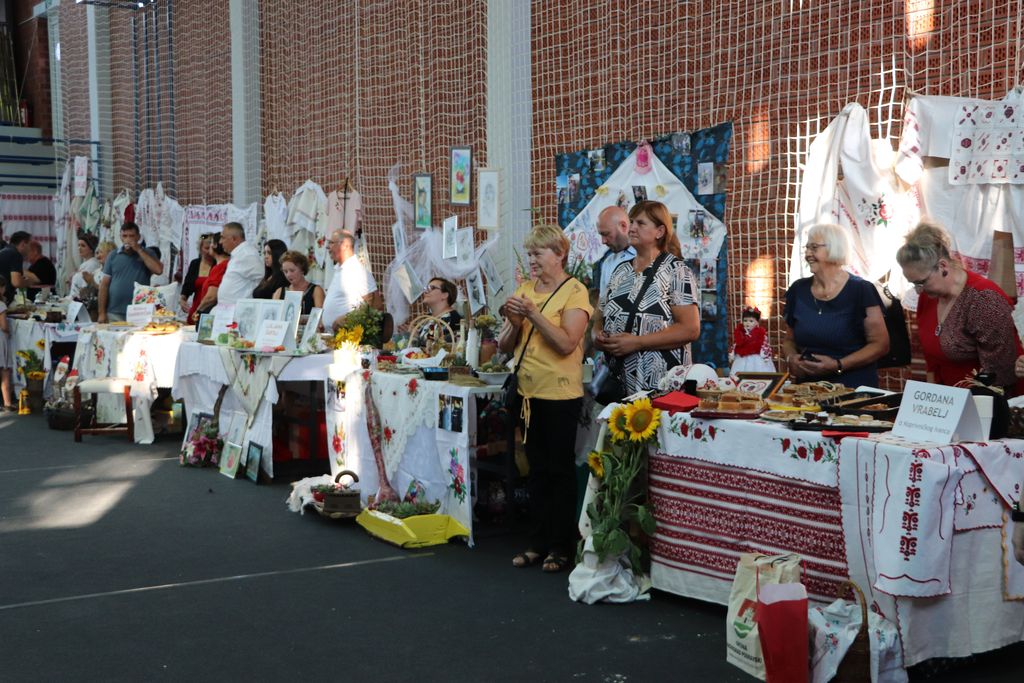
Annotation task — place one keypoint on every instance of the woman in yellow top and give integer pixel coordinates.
(548, 316)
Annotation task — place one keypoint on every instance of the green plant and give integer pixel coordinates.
(408, 509)
(633, 427)
(370, 320)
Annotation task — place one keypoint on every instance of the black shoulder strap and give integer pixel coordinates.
(532, 328)
(652, 270)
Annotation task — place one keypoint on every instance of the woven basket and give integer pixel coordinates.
(419, 328)
(856, 665)
(345, 502)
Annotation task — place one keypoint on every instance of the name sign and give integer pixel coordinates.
(936, 413)
(223, 315)
(140, 314)
(271, 334)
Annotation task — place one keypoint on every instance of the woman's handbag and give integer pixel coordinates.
(510, 390)
(896, 324)
(609, 387)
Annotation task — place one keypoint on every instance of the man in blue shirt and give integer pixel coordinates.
(134, 262)
(613, 227)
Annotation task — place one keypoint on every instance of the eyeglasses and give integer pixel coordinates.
(918, 284)
(434, 288)
(814, 246)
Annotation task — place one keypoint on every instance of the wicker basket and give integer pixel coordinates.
(344, 502)
(62, 418)
(1016, 426)
(856, 665)
(420, 327)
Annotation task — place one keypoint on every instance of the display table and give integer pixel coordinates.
(924, 523)
(202, 370)
(427, 430)
(35, 336)
(145, 358)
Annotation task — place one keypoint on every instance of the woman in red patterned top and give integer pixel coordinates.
(964, 321)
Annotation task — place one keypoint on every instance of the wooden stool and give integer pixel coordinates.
(104, 385)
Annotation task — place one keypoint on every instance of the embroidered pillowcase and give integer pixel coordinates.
(165, 298)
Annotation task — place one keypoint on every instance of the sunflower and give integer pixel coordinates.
(596, 463)
(617, 423)
(641, 420)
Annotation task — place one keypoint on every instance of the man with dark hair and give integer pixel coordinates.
(40, 273)
(12, 258)
(134, 262)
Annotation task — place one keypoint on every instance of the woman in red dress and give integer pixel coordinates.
(964, 321)
(207, 298)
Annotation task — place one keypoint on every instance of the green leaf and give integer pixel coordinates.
(618, 542)
(599, 544)
(646, 519)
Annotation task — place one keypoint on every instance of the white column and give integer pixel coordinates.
(245, 101)
(509, 126)
(98, 26)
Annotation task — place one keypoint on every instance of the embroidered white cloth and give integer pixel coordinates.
(307, 222)
(275, 213)
(408, 407)
(832, 630)
(610, 581)
(868, 201)
(988, 143)
(806, 456)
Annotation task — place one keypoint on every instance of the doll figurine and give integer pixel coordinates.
(750, 350)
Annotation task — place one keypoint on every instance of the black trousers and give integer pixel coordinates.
(550, 451)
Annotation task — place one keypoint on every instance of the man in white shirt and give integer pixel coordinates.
(351, 284)
(245, 267)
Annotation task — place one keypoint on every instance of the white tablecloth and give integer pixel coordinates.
(31, 335)
(715, 498)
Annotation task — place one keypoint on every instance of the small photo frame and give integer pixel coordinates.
(763, 383)
(597, 162)
(230, 459)
(698, 229)
(309, 332)
(708, 273)
(574, 188)
(708, 305)
(721, 176)
(475, 291)
(247, 318)
(562, 188)
(204, 330)
(639, 193)
(705, 178)
(253, 457)
(292, 313)
(423, 197)
(460, 176)
(681, 142)
(487, 203)
(449, 227)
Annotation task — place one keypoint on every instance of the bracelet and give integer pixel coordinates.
(1015, 513)
(839, 364)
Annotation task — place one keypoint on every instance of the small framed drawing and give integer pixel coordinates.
(487, 205)
(235, 432)
(309, 333)
(449, 227)
(475, 291)
(204, 330)
(247, 318)
(292, 313)
(460, 177)
(230, 459)
(423, 194)
(253, 457)
(763, 383)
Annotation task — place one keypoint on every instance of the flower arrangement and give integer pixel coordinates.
(632, 426)
(370, 321)
(347, 337)
(407, 508)
(487, 324)
(204, 445)
(30, 365)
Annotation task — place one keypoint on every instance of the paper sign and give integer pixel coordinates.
(223, 315)
(76, 311)
(271, 334)
(140, 314)
(935, 413)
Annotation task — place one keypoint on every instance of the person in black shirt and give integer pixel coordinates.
(273, 278)
(12, 258)
(41, 271)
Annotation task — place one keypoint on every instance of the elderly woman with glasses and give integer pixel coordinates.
(835, 330)
(964, 321)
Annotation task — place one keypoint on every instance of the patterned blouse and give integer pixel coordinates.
(673, 285)
(978, 333)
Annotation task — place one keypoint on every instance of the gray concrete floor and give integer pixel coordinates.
(117, 564)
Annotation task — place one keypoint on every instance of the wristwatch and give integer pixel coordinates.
(1015, 513)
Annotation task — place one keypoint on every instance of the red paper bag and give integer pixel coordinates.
(781, 614)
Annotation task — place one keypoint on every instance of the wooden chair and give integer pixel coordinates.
(104, 385)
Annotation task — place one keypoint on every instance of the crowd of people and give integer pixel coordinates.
(641, 312)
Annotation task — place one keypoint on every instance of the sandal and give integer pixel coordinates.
(554, 564)
(527, 558)
(11, 408)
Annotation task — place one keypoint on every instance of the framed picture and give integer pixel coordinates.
(464, 248)
(247, 317)
(408, 281)
(763, 383)
(292, 313)
(487, 204)
(253, 457)
(475, 291)
(494, 282)
(196, 424)
(236, 428)
(449, 227)
(423, 197)
(230, 459)
(312, 325)
(204, 330)
(460, 177)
